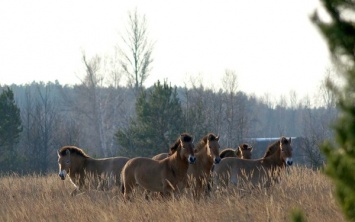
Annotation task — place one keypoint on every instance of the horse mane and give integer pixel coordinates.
(72, 149)
(202, 143)
(271, 148)
(185, 137)
(228, 152)
(244, 146)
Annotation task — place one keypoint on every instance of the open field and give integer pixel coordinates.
(47, 198)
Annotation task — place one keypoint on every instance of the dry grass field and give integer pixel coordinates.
(47, 198)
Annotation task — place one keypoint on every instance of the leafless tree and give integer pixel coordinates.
(40, 120)
(230, 86)
(135, 53)
(95, 110)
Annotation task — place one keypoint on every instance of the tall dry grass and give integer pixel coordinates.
(47, 198)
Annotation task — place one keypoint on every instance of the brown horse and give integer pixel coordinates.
(207, 154)
(159, 175)
(261, 171)
(243, 152)
(80, 167)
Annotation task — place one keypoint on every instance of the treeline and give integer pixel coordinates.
(114, 120)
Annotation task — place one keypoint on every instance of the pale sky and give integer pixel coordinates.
(271, 45)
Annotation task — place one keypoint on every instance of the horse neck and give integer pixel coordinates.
(274, 159)
(80, 165)
(90, 164)
(200, 146)
(203, 157)
(178, 165)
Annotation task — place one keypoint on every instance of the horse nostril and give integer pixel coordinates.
(217, 160)
(192, 159)
(289, 163)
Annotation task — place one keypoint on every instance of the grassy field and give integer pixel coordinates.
(47, 198)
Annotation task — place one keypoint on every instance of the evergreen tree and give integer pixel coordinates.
(10, 129)
(340, 35)
(159, 121)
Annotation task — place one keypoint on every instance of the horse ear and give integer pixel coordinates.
(250, 148)
(284, 140)
(217, 138)
(238, 151)
(289, 140)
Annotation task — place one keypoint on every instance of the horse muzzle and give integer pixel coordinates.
(192, 159)
(289, 161)
(216, 160)
(62, 174)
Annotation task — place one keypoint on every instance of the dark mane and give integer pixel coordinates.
(244, 146)
(202, 143)
(271, 149)
(72, 149)
(228, 153)
(184, 137)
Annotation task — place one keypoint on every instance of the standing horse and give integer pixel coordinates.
(80, 167)
(261, 171)
(243, 152)
(207, 154)
(159, 175)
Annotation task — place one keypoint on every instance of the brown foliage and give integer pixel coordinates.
(47, 198)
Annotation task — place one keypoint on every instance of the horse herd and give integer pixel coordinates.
(201, 168)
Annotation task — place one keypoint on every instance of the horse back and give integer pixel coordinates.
(160, 156)
(244, 169)
(111, 165)
(228, 152)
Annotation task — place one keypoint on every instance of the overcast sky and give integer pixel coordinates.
(271, 45)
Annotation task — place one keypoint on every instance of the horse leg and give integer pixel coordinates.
(74, 192)
(168, 190)
(73, 181)
(197, 188)
(127, 188)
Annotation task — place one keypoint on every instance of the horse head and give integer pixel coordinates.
(186, 148)
(244, 151)
(286, 150)
(213, 148)
(70, 159)
(63, 162)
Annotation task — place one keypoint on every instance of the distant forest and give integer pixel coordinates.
(89, 116)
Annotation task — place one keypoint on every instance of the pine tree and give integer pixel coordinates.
(10, 129)
(159, 121)
(340, 36)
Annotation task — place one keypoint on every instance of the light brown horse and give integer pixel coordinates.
(243, 152)
(256, 172)
(82, 169)
(159, 175)
(207, 154)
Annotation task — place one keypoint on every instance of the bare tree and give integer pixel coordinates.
(92, 108)
(41, 120)
(230, 86)
(326, 95)
(237, 116)
(135, 54)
